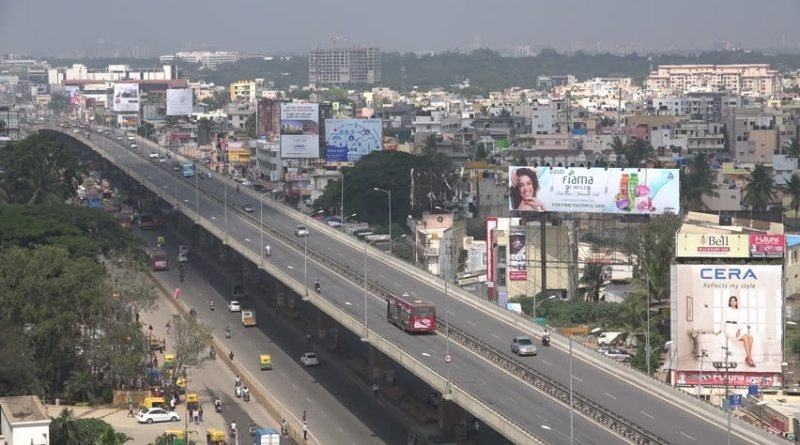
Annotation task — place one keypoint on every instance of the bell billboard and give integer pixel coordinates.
(734, 308)
(644, 191)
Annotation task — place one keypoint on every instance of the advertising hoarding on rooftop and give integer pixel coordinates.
(179, 101)
(299, 131)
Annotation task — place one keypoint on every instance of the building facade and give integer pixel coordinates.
(337, 66)
(748, 79)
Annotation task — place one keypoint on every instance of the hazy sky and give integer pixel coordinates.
(75, 27)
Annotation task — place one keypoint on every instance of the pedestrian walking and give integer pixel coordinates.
(308, 339)
(200, 413)
(375, 389)
(130, 409)
(172, 403)
(150, 329)
(476, 426)
(169, 326)
(155, 362)
(305, 430)
(196, 416)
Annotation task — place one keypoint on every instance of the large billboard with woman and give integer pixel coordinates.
(725, 307)
(644, 191)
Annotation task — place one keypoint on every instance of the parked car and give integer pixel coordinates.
(150, 415)
(234, 306)
(301, 231)
(248, 208)
(617, 354)
(309, 359)
(523, 345)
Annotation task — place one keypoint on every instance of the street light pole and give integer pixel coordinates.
(389, 195)
(341, 201)
(647, 349)
(196, 197)
(305, 253)
(261, 228)
(225, 203)
(571, 407)
(703, 354)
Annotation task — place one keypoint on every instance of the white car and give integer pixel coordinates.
(183, 257)
(309, 359)
(246, 183)
(617, 354)
(133, 145)
(153, 155)
(300, 231)
(234, 306)
(150, 415)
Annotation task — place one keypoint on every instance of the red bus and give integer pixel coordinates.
(158, 259)
(411, 314)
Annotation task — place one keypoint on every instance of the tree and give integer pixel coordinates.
(204, 129)
(250, 125)
(793, 149)
(697, 180)
(146, 130)
(793, 190)
(649, 246)
(592, 281)
(67, 430)
(192, 339)
(59, 102)
(759, 192)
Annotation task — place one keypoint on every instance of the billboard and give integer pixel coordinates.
(128, 120)
(594, 190)
(126, 97)
(767, 245)
(517, 259)
(718, 306)
(347, 140)
(695, 245)
(299, 130)
(179, 101)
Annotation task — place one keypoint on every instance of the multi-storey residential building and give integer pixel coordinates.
(544, 117)
(701, 135)
(752, 135)
(546, 83)
(337, 66)
(748, 79)
(243, 91)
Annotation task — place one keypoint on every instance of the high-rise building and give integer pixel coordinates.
(747, 79)
(337, 66)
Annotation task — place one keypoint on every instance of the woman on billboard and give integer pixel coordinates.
(524, 187)
(733, 326)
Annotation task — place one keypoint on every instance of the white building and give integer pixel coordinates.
(206, 58)
(745, 79)
(24, 421)
(544, 117)
(113, 73)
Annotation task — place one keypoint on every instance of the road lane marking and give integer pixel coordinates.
(348, 303)
(290, 267)
(451, 313)
(185, 200)
(690, 437)
(513, 400)
(309, 400)
(547, 363)
(496, 336)
(341, 431)
(396, 284)
(482, 381)
(578, 379)
(545, 427)
(426, 354)
(471, 323)
(648, 415)
(605, 393)
(294, 386)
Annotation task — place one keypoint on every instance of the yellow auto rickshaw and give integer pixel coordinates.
(161, 241)
(216, 437)
(266, 361)
(192, 401)
(176, 436)
(180, 382)
(169, 360)
(154, 402)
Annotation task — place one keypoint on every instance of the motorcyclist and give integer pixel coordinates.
(218, 405)
(228, 332)
(252, 428)
(212, 354)
(230, 356)
(211, 304)
(237, 382)
(284, 427)
(267, 250)
(233, 428)
(316, 285)
(237, 188)
(246, 393)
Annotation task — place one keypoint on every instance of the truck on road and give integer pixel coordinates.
(248, 317)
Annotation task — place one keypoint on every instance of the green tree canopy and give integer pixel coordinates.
(760, 190)
(697, 180)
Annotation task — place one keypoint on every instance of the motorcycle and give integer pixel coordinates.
(238, 392)
(218, 406)
(211, 304)
(546, 340)
(212, 355)
(316, 287)
(227, 332)
(246, 396)
(252, 429)
(267, 251)
(181, 276)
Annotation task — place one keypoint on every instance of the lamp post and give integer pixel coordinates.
(571, 408)
(261, 224)
(647, 347)
(196, 197)
(341, 201)
(411, 218)
(225, 203)
(389, 195)
(305, 254)
(535, 304)
(344, 220)
(703, 355)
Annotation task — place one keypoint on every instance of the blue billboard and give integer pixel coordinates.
(347, 140)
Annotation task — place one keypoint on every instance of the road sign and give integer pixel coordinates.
(448, 358)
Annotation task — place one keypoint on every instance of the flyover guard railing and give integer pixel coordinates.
(585, 406)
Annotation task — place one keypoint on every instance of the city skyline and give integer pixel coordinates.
(149, 28)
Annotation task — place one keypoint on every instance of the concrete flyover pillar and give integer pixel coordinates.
(451, 417)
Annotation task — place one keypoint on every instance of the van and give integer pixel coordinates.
(607, 338)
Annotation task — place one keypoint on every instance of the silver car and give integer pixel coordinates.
(523, 345)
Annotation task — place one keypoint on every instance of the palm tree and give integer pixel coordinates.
(80, 386)
(793, 149)
(793, 189)
(618, 146)
(760, 189)
(697, 180)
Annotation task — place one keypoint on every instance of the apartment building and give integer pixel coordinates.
(745, 79)
(337, 66)
(112, 73)
(701, 136)
(544, 116)
(243, 91)
(209, 59)
(752, 135)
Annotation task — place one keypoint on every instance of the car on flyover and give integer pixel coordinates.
(234, 306)
(150, 415)
(309, 359)
(249, 208)
(523, 345)
(301, 231)
(617, 354)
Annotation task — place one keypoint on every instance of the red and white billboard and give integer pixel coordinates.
(726, 307)
(767, 245)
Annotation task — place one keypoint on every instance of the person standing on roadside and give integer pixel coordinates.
(305, 430)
